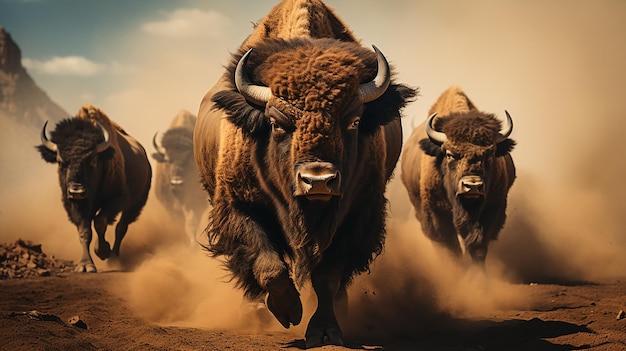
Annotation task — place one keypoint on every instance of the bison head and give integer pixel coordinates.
(310, 104)
(77, 145)
(176, 153)
(466, 146)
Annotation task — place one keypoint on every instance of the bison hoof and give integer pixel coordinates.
(103, 251)
(283, 300)
(316, 337)
(85, 268)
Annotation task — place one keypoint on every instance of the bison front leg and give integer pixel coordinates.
(86, 264)
(102, 249)
(282, 299)
(323, 328)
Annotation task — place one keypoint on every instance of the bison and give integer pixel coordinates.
(295, 145)
(177, 184)
(457, 169)
(102, 171)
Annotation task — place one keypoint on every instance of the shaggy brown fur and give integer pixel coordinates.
(433, 174)
(249, 158)
(298, 19)
(113, 181)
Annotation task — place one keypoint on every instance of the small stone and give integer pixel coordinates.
(44, 272)
(621, 314)
(77, 322)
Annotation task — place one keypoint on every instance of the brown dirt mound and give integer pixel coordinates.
(23, 258)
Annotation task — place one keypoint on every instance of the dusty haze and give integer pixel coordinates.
(557, 68)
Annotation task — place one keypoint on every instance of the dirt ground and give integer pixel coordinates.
(548, 285)
(70, 311)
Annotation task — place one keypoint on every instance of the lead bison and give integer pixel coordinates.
(458, 171)
(176, 181)
(295, 145)
(102, 171)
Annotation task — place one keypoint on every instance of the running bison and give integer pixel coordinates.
(102, 171)
(177, 185)
(458, 171)
(295, 145)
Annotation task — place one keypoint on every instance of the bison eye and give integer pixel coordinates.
(276, 128)
(451, 156)
(355, 123)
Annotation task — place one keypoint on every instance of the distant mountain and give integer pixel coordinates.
(21, 100)
(24, 107)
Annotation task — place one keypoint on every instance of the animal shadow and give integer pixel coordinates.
(520, 335)
(510, 335)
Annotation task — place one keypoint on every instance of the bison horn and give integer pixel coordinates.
(256, 94)
(374, 89)
(107, 141)
(156, 145)
(435, 136)
(45, 141)
(505, 133)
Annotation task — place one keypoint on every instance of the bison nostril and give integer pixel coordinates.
(303, 178)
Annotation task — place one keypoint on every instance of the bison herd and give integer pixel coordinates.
(292, 150)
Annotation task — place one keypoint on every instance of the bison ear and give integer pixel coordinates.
(504, 147)
(386, 108)
(47, 154)
(249, 119)
(430, 148)
(160, 158)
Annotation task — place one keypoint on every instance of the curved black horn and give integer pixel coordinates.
(45, 141)
(374, 89)
(156, 145)
(435, 136)
(107, 141)
(256, 94)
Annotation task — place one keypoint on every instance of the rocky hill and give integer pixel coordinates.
(24, 107)
(21, 100)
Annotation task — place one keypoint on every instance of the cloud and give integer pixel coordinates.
(183, 23)
(66, 66)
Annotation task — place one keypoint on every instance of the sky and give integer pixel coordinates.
(142, 61)
(556, 66)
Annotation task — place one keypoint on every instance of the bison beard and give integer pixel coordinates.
(309, 123)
